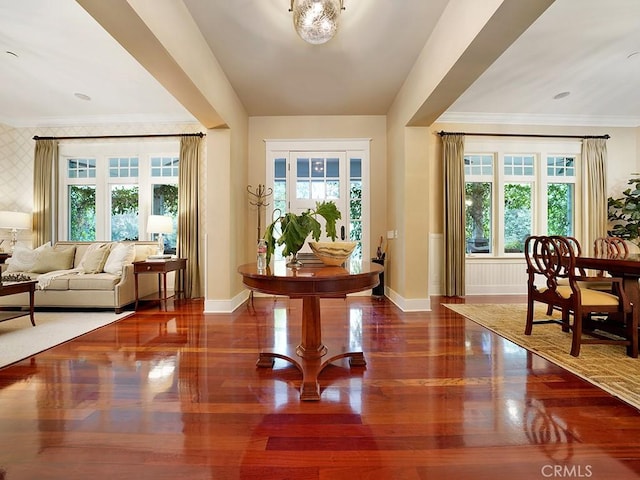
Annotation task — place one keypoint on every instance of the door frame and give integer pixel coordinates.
(353, 147)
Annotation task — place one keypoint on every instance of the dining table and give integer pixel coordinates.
(311, 283)
(626, 267)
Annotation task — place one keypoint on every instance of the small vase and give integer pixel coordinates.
(294, 262)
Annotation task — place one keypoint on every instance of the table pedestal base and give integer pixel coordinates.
(311, 367)
(311, 356)
(310, 351)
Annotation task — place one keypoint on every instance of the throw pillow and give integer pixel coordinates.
(120, 255)
(94, 258)
(52, 259)
(24, 258)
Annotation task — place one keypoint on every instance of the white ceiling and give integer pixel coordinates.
(585, 47)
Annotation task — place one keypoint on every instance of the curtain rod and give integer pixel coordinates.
(97, 137)
(533, 135)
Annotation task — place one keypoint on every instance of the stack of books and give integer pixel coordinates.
(160, 257)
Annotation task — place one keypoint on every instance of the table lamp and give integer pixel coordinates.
(159, 224)
(15, 221)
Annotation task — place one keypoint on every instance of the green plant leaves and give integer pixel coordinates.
(296, 228)
(624, 213)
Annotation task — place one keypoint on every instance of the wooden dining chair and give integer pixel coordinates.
(577, 250)
(550, 262)
(610, 246)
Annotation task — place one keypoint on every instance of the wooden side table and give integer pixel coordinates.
(161, 268)
(12, 288)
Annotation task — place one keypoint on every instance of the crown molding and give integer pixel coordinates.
(539, 119)
(78, 121)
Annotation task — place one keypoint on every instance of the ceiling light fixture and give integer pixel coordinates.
(316, 21)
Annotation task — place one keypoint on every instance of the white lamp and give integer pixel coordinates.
(316, 21)
(159, 224)
(15, 221)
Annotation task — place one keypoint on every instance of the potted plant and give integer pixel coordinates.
(624, 213)
(294, 230)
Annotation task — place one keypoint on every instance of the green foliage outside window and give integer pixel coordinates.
(124, 212)
(517, 216)
(82, 208)
(560, 209)
(355, 216)
(478, 217)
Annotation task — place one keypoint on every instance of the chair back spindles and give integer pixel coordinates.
(552, 279)
(610, 247)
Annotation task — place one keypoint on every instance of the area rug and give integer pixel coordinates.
(20, 340)
(606, 366)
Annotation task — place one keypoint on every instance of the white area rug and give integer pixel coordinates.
(19, 339)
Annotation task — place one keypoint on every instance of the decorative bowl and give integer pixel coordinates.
(333, 253)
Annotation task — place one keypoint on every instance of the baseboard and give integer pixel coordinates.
(226, 306)
(408, 305)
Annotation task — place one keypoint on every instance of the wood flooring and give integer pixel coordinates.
(176, 394)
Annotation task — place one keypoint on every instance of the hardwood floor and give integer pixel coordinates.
(176, 394)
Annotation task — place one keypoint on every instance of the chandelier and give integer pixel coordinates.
(316, 21)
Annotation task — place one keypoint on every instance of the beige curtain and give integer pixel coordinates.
(44, 163)
(454, 214)
(188, 241)
(594, 157)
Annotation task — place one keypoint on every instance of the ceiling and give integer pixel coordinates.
(51, 50)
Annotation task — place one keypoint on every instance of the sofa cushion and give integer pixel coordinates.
(120, 255)
(97, 281)
(57, 283)
(24, 258)
(94, 258)
(52, 259)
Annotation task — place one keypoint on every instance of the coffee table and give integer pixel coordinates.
(13, 288)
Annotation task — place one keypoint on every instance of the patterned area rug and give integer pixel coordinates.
(606, 366)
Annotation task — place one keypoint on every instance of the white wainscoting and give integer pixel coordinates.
(484, 275)
(493, 276)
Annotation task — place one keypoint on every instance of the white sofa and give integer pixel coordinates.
(82, 274)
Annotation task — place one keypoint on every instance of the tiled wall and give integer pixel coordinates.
(16, 157)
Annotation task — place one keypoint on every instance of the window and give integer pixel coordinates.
(355, 205)
(107, 196)
(511, 194)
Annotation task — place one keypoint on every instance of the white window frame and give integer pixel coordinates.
(353, 147)
(144, 151)
(541, 149)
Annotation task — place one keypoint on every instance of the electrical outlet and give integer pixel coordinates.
(389, 234)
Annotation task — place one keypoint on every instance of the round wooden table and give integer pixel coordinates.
(311, 284)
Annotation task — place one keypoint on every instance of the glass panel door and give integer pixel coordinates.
(317, 177)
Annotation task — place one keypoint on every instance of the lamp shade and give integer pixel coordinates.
(159, 224)
(17, 220)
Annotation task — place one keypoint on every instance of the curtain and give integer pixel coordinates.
(44, 161)
(594, 157)
(188, 239)
(454, 215)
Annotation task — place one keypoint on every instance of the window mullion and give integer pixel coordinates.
(102, 197)
(499, 218)
(541, 217)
